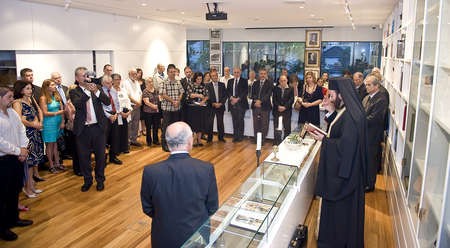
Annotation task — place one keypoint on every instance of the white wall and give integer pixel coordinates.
(328, 34)
(46, 36)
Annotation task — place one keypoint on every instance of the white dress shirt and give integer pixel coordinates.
(91, 105)
(12, 133)
(134, 89)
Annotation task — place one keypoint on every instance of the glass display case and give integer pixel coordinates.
(245, 217)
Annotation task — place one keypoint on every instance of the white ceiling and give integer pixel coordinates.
(243, 13)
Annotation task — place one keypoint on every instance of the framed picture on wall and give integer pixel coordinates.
(217, 67)
(215, 57)
(215, 35)
(313, 38)
(312, 58)
(315, 71)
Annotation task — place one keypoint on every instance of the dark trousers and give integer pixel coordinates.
(286, 124)
(92, 139)
(374, 159)
(124, 146)
(169, 117)
(260, 122)
(152, 122)
(237, 115)
(112, 138)
(11, 176)
(218, 113)
(70, 139)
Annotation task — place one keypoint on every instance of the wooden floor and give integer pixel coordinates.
(65, 217)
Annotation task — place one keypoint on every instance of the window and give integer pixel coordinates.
(8, 73)
(198, 55)
(352, 56)
(290, 55)
(262, 55)
(236, 54)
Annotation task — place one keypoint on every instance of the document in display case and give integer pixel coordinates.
(245, 218)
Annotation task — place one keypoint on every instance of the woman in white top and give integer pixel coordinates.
(124, 113)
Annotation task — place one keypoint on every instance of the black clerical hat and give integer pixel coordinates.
(333, 84)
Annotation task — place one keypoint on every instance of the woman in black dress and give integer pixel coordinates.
(197, 97)
(310, 100)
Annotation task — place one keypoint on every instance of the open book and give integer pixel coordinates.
(313, 128)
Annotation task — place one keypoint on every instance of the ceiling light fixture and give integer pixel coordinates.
(349, 13)
(144, 4)
(67, 4)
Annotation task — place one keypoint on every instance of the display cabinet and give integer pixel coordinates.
(418, 149)
(256, 213)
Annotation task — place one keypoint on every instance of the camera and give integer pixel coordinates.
(90, 76)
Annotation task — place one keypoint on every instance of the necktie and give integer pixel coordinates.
(216, 89)
(234, 87)
(260, 88)
(88, 111)
(112, 101)
(61, 93)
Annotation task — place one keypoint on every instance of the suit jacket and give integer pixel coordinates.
(179, 194)
(79, 99)
(242, 92)
(36, 92)
(223, 96)
(362, 92)
(266, 93)
(375, 114)
(285, 100)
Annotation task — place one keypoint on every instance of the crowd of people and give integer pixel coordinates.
(105, 116)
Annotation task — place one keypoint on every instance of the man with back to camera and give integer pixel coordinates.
(376, 106)
(180, 193)
(89, 127)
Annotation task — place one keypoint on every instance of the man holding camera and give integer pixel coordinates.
(89, 123)
(112, 125)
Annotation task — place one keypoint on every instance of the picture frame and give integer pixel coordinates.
(215, 35)
(312, 58)
(315, 71)
(215, 57)
(215, 46)
(313, 38)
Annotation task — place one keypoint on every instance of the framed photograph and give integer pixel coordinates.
(315, 71)
(312, 58)
(313, 38)
(217, 67)
(215, 35)
(215, 46)
(215, 57)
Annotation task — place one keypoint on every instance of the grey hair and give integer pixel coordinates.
(179, 138)
(374, 79)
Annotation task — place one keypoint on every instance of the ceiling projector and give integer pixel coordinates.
(215, 15)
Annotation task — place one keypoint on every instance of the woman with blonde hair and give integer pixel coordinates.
(50, 103)
(311, 98)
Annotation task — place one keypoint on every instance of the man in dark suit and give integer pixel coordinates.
(217, 96)
(180, 193)
(237, 89)
(283, 98)
(261, 105)
(358, 80)
(89, 127)
(27, 75)
(375, 105)
(185, 82)
(107, 71)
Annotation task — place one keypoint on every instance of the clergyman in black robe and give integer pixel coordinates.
(342, 171)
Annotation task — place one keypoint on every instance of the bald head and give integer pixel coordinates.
(56, 77)
(358, 78)
(132, 73)
(179, 137)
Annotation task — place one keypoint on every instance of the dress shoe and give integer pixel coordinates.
(86, 187)
(100, 186)
(115, 160)
(209, 141)
(127, 151)
(165, 149)
(37, 191)
(21, 223)
(32, 195)
(23, 208)
(369, 189)
(38, 179)
(78, 173)
(199, 144)
(156, 143)
(135, 143)
(8, 235)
